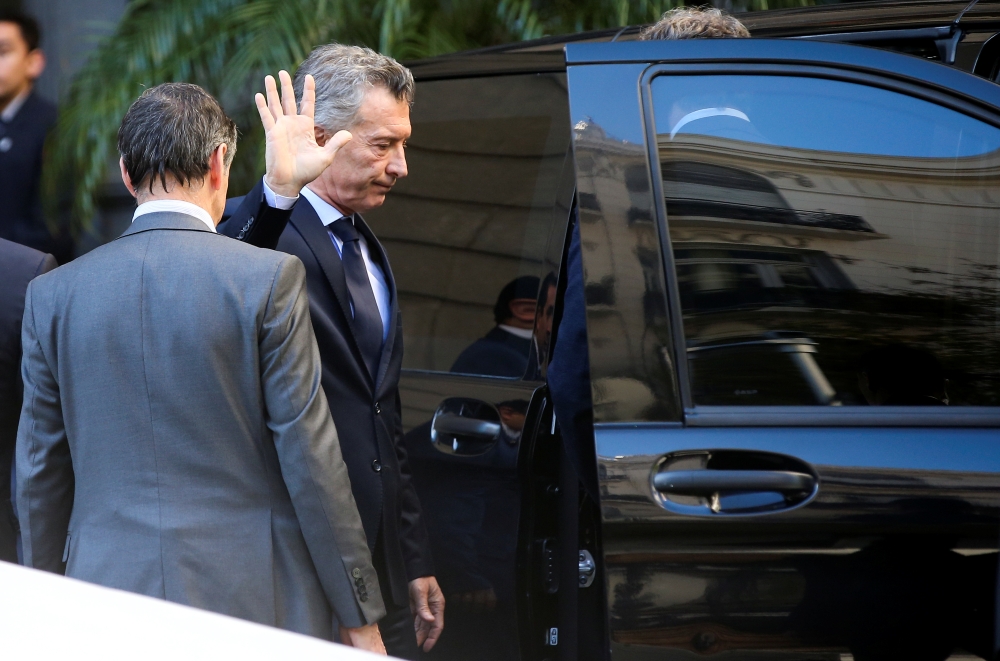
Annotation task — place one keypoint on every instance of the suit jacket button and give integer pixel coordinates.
(363, 598)
(376, 466)
(378, 409)
(356, 573)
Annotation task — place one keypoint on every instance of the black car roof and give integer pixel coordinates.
(546, 54)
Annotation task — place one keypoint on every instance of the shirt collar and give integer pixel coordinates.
(328, 214)
(523, 333)
(10, 112)
(175, 206)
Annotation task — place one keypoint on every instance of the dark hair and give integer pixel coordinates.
(524, 287)
(173, 128)
(28, 26)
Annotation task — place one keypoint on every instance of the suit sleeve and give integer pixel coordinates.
(255, 221)
(413, 532)
(308, 450)
(45, 478)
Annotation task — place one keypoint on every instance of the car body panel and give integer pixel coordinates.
(900, 530)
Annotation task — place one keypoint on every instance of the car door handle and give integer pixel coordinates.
(708, 482)
(456, 425)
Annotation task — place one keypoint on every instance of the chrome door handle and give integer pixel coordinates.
(456, 425)
(708, 482)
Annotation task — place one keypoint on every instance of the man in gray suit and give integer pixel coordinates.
(175, 440)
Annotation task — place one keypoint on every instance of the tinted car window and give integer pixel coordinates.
(835, 243)
(466, 231)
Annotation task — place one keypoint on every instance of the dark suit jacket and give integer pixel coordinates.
(498, 353)
(20, 174)
(367, 414)
(18, 266)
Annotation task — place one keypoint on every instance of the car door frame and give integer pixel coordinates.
(899, 73)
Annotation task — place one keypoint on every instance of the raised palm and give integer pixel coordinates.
(293, 157)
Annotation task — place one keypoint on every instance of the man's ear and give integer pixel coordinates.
(36, 64)
(218, 170)
(321, 135)
(127, 180)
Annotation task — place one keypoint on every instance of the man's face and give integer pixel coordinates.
(19, 67)
(543, 322)
(368, 166)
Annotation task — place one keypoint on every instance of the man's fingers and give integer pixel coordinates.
(308, 105)
(421, 629)
(273, 103)
(287, 93)
(432, 636)
(265, 115)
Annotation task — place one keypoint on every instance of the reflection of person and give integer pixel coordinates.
(355, 313)
(18, 266)
(544, 316)
(504, 351)
(25, 121)
(899, 375)
(184, 449)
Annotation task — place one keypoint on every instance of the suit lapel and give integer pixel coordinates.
(317, 237)
(376, 250)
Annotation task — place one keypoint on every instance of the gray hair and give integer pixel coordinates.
(173, 129)
(343, 75)
(694, 23)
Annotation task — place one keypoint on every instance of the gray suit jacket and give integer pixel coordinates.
(175, 440)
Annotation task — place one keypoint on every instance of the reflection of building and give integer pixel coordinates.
(476, 210)
(841, 251)
(913, 204)
(876, 249)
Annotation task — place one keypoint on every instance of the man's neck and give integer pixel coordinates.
(169, 197)
(322, 193)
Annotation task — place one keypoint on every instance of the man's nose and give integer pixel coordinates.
(397, 163)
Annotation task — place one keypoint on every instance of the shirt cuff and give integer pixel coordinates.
(278, 201)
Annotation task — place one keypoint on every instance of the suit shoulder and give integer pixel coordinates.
(18, 260)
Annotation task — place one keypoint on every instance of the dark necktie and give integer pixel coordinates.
(367, 320)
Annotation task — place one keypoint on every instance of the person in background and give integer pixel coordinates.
(19, 265)
(504, 350)
(354, 308)
(25, 121)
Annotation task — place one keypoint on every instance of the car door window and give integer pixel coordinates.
(466, 231)
(835, 243)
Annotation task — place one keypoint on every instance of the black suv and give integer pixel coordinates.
(792, 278)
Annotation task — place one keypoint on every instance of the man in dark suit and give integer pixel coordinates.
(504, 350)
(18, 266)
(25, 121)
(355, 313)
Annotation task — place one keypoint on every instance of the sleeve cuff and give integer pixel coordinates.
(278, 201)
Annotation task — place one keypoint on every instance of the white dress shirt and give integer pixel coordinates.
(175, 206)
(328, 214)
(10, 112)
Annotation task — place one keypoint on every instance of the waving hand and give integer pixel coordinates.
(292, 155)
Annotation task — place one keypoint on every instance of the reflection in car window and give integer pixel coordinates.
(466, 231)
(835, 244)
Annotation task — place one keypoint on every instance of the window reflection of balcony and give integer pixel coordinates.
(699, 193)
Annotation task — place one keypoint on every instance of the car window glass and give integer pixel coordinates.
(466, 230)
(835, 243)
